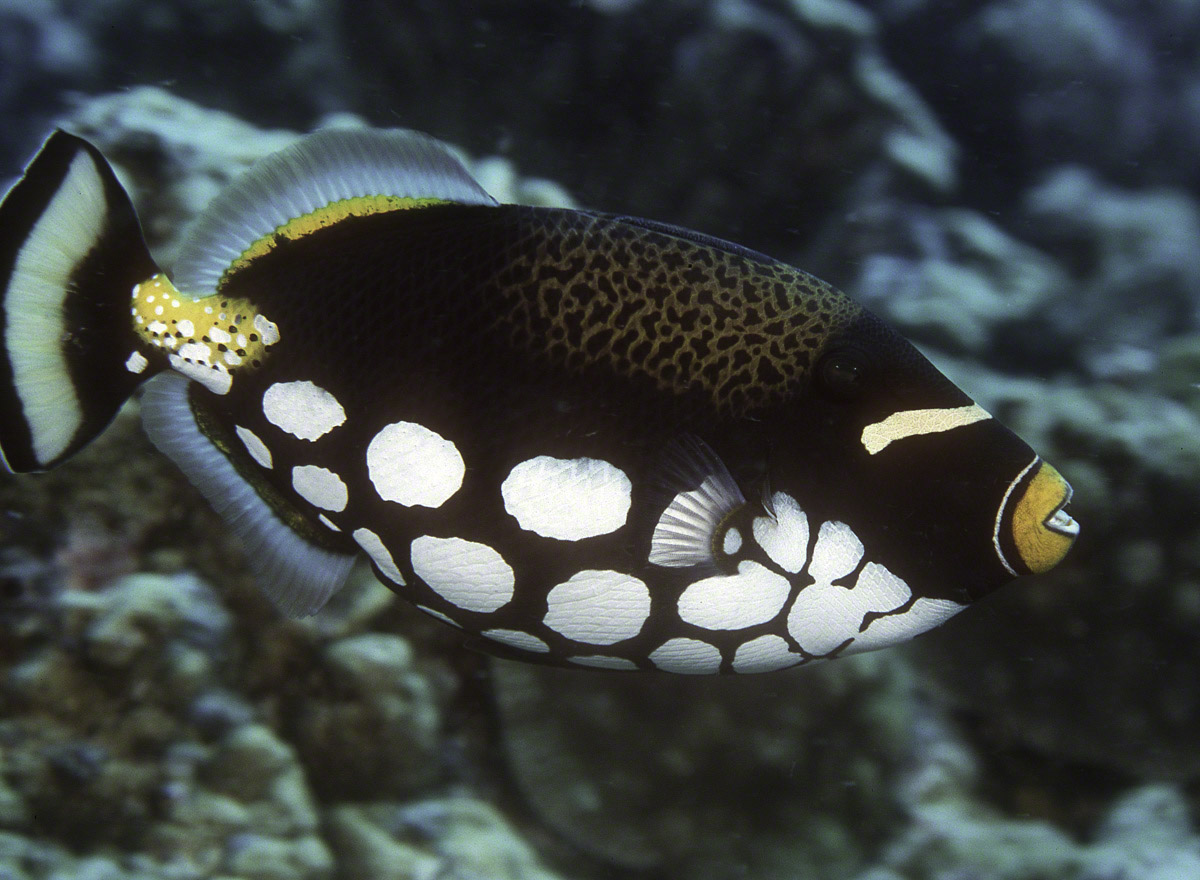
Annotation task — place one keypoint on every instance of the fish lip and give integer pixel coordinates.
(1059, 521)
(1033, 531)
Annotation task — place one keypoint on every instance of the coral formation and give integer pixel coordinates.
(1012, 183)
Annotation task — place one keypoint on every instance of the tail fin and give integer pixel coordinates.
(71, 251)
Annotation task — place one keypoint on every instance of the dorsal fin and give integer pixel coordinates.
(326, 167)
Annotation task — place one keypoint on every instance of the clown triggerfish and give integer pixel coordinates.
(588, 439)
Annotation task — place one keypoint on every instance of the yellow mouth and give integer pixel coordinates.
(1042, 530)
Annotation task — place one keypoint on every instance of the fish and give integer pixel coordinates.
(583, 438)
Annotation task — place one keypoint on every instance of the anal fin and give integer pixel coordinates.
(298, 576)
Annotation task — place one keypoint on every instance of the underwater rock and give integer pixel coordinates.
(281, 62)
(1093, 82)
(1135, 260)
(778, 776)
(40, 53)
(775, 105)
(948, 277)
(952, 831)
(99, 752)
(449, 837)
(371, 723)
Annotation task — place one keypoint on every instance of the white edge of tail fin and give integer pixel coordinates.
(322, 168)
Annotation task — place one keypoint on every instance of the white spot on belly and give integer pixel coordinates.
(320, 487)
(689, 656)
(752, 596)
(414, 466)
(517, 639)
(439, 616)
(472, 576)
(257, 449)
(380, 555)
(598, 607)
(569, 499)
(764, 654)
(601, 662)
(302, 409)
(914, 422)
(924, 615)
(784, 538)
(837, 552)
(824, 616)
(136, 362)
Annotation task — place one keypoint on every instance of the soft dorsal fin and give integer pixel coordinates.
(328, 166)
(298, 576)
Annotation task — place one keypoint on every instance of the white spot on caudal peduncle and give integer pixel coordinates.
(195, 365)
(302, 409)
(568, 499)
(914, 422)
(414, 466)
(268, 331)
(136, 362)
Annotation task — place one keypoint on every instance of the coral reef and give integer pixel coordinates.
(641, 771)
(1010, 182)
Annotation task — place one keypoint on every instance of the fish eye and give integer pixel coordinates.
(842, 374)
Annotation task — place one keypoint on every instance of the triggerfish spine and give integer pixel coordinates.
(585, 439)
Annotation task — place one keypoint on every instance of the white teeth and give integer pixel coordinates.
(1063, 523)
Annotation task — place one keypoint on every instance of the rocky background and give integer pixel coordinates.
(1011, 182)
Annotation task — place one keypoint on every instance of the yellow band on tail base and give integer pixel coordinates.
(205, 339)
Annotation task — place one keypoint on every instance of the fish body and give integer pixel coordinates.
(588, 439)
